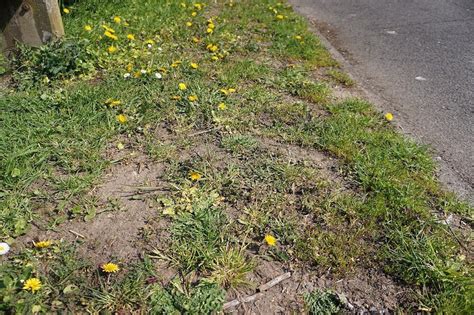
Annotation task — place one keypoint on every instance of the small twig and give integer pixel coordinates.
(149, 189)
(230, 304)
(204, 131)
(77, 234)
(252, 298)
(117, 160)
(261, 289)
(274, 282)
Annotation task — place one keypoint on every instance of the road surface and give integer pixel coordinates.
(418, 57)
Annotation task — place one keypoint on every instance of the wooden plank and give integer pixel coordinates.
(31, 22)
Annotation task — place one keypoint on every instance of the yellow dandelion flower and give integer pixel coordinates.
(196, 40)
(88, 28)
(175, 63)
(112, 49)
(109, 34)
(224, 91)
(194, 65)
(137, 74)
(389, 116)
(150, 42)
(192, 98)
(231, 90)
(211, 25)
(212, 47)
(222, 106)
(117, 19)
(110, 267)
(32, 284)
(111, 102)
(189, 24)
(298, 37)
(105, 27)
(270, 239)
(42, 244)
(209, 30)
(193, 13)
(122, 119)
(182, 86)
(131, 37)
(214, 58)
(198, 6)
(195, 176)
(66, 10)
(280, 17)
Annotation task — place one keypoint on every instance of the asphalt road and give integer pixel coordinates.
(418, 57)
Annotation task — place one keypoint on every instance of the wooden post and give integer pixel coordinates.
(32, 22)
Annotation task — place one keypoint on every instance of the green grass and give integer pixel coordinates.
(375, 208)
(341, 77)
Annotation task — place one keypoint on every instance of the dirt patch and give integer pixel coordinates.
(114, 233)
(365, 291)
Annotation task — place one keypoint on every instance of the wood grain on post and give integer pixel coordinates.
(31, 22)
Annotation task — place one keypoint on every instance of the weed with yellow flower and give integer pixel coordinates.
(195, 176)
(110, 268)
(122, 119)
(270, 240)
(42, 244)
(32, 284)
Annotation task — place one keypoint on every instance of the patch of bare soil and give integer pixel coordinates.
(121, 214)
(365, 291)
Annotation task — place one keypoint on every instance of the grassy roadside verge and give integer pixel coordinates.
(231, 77)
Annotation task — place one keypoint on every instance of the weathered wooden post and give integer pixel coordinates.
(32, 22)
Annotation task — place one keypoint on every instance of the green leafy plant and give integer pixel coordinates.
(203, 299)
(322, 302)
(63, 59)
(197, 238)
